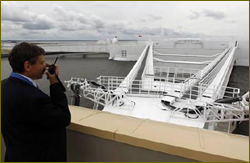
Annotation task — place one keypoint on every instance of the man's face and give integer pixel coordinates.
(37, 69)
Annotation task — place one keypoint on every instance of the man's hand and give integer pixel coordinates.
(52, 77)
(47, 65)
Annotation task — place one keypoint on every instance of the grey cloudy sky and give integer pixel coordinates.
(127, 20)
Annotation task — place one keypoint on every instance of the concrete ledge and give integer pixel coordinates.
(192, 143)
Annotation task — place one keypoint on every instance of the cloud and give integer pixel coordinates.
(214, 14)
(101, 4)
(97, 22)
(207, 13)
(8, 26)
(195, 14)
(71, 26)
(61, 14)
(150, 18)
(68, 20)
(61, 21)
(87, 20)
(12, 11)
(42, 22)
(230, 21)
(76, 21)
(15, 17)
(155, 17)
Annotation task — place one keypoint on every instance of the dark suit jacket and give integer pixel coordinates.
(34, 124)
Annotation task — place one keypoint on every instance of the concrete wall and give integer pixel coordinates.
(133, 52)
(101, 136)
(76, 48)
(87, 148)
(134, 49)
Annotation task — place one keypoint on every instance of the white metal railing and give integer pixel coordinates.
(211, 75)
(139, 87)
(99, 96)
(204, 77)
(170, 74)
(107, 94)
(149, 64)
(212, 112)
(187, 55)
(210, 71)
(220, 72)
(196, 92)
(182, 62)
(160, 88)
(207, 112)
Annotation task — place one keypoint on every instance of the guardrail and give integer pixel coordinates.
(211, 75)
(161, 88)
(107, 94)
(187, 55)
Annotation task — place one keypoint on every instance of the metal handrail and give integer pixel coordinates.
(160, 88)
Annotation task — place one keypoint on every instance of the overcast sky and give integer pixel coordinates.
(126, 20)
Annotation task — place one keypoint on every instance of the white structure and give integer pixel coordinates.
(131, 50)
(179, 87)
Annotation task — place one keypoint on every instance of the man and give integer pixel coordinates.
(33, 123)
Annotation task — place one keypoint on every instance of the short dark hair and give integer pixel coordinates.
(24, 52)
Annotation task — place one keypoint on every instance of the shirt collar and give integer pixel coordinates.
(29, 79)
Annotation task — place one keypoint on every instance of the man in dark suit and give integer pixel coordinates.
(33, 123)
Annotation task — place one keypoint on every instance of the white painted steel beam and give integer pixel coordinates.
(127, 82)
(220, 78)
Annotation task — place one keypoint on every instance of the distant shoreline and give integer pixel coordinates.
(5, 53)
(55, 40)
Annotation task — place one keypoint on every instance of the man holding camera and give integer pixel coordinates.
(33, 123)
